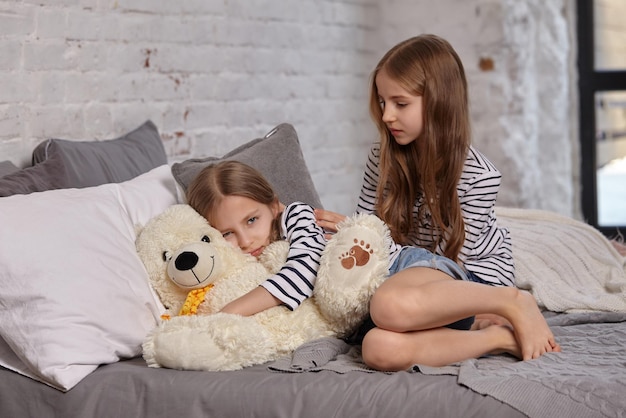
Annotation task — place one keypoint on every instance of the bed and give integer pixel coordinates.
(71, 333)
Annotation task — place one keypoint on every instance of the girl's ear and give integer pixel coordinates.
(277, 207)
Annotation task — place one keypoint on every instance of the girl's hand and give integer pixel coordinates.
(328, 220)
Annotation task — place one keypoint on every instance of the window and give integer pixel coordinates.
(602, 94)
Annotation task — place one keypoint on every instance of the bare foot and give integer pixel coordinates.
(505, 340)
(531, 330)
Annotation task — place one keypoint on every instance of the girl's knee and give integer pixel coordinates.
(396, 309)
(375, 350)
(385, 309)
(381, 350)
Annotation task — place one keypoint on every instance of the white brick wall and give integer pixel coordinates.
(213, 74)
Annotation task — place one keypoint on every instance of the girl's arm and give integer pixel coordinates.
(295, 280)
(255, 301)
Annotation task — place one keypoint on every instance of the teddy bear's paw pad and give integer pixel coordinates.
(355, 258)
(359, 255)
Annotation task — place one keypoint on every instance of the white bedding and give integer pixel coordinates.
(567, 265)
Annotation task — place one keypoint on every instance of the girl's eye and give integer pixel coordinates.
(252, 220)
(206, 238)
(381, 103)
(401, 104)
(226, 234)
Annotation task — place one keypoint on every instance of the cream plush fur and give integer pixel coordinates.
(181, 251)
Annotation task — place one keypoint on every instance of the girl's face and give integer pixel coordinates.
(245, 223)
(402, 111)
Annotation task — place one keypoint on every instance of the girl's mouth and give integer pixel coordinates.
(256, 253)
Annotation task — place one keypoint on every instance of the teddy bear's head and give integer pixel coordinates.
(181, 252)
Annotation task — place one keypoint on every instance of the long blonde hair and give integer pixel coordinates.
(230, 178)
(429, 167)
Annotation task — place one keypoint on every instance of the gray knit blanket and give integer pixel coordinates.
(587, 379)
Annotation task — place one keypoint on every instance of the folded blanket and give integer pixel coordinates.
(566, 264)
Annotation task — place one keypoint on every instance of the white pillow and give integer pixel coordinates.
(73, 291)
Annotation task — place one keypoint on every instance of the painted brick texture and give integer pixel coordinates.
(213, 74)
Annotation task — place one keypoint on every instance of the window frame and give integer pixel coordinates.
(591, 81)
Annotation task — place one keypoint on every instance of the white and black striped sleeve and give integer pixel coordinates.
(295, 280)
(367, 197)
(487, 251)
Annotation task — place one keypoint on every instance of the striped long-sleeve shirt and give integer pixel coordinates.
(487, 250)
(295, 280)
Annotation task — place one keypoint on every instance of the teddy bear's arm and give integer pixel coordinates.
(354, 263)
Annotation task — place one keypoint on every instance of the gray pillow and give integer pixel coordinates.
(45, 176)
(92, 163)
(63, 164)
(277, 156)
(7, 167)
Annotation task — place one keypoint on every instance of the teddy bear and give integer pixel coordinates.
(195, 272)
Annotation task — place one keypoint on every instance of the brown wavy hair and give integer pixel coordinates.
(429, 167)
(230, 178)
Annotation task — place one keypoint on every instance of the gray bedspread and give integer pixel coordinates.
(131, 389)
(587, 379)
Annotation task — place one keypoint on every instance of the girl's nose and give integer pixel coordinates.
(244, 242)
(388, 115)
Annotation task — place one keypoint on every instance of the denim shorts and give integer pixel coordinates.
(420, 257)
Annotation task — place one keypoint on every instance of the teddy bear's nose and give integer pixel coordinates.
(186, 260)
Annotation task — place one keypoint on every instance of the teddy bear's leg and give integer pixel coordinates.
(354, 263)
(212, 342)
